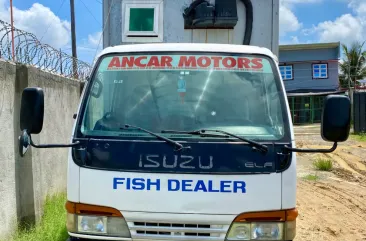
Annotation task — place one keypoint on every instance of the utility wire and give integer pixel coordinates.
(312, 68)
(304, 77)
(98, 1)
(62, 3)
(90, 11)
(315, 78)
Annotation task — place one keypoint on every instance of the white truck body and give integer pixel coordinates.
(214, 206)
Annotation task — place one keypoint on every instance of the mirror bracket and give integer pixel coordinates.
(52, 145)
(313, 150)
(24, 143)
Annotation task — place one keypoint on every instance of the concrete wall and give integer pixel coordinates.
(25, 182)
(8, 193)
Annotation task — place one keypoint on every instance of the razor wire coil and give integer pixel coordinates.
(29, 50)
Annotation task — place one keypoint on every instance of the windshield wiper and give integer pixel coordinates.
(167, 140)
(202, 134)
(260, 147)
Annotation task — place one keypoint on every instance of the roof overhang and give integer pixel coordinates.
(316, 93)
(310, 46)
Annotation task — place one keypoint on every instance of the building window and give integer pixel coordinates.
(320, 71)
(143, 20)
(286, 72)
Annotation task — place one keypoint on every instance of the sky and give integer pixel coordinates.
(301, 21)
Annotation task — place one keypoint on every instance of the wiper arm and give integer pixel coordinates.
(198, 133)
(260, 147)
(167, 140)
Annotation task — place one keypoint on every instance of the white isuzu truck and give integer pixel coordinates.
(183, 141)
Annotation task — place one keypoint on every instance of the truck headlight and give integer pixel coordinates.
(97, 225)
(95, 220)
(272, 225)
(239, 231)
(267, 231)
(256, 231)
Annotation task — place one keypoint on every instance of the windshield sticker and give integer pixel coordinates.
(120, 81)
(181, 87)
(187, 62)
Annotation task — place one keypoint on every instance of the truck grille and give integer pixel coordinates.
(177, 231)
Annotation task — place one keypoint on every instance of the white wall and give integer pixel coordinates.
(265, 25)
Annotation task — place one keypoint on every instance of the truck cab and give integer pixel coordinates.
(204, 187)
(183, 142)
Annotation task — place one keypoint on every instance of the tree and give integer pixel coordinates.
(343, 81)
(353, 67)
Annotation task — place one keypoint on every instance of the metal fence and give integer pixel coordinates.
(359, 112)
(29, 50)
(306, 109)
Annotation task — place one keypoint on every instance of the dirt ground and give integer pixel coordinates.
(332, 207)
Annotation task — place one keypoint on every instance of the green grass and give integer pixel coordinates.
(359, 137)
(52, 225)
(311, 177)
(323, 164)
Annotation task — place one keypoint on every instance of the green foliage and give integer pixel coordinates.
(359, 137)
(323, 164)
(343, 82)
(311, 177)
(353, 67)
(53, 223)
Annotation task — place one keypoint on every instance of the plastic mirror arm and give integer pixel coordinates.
(313, 150)
(53, 145)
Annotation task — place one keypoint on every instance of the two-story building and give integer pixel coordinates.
(309, 72)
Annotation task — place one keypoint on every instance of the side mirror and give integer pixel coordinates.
(31, 120)
(32, 110)
(336, 123)
(336, 118)
(96, 89)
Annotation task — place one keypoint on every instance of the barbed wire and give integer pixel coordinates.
(29, 50)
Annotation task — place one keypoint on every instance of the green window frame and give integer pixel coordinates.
(142, 21)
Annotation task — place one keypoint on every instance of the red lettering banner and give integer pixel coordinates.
(189, 62)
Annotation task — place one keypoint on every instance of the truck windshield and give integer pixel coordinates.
(240, 94)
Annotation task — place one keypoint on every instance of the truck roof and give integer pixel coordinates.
(199, 47)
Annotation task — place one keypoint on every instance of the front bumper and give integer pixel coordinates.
(81, 237)
(190, 227)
